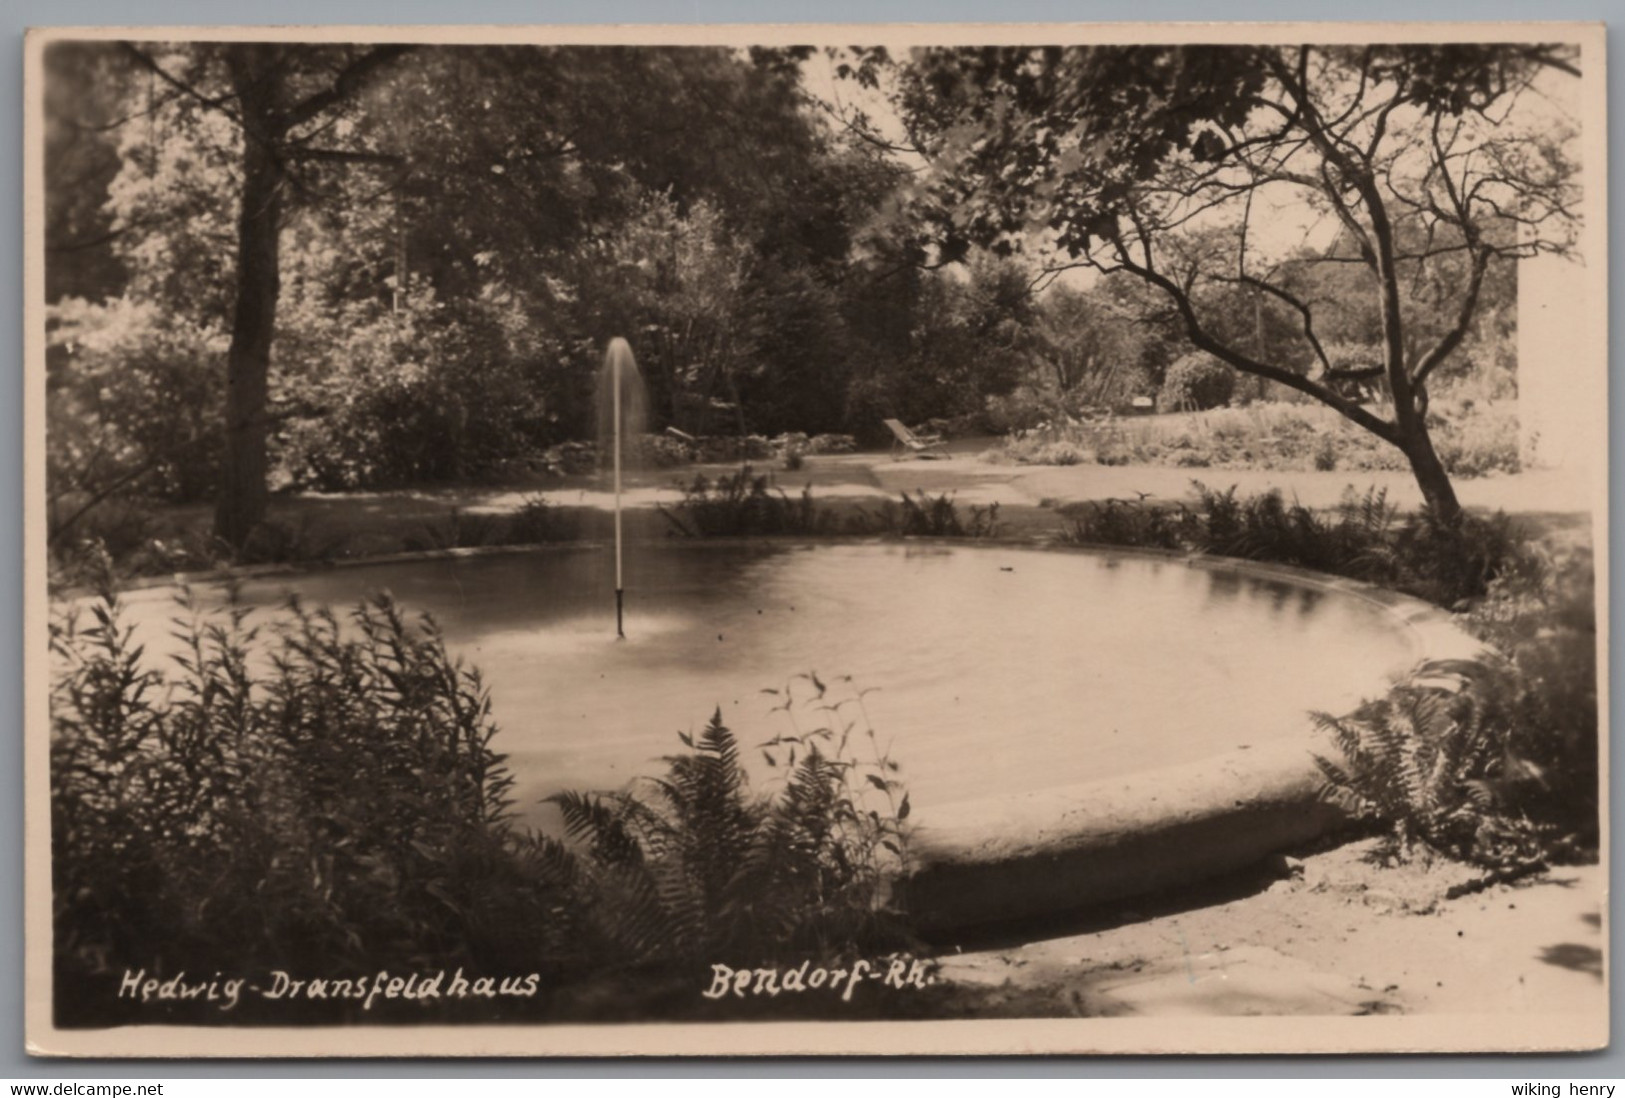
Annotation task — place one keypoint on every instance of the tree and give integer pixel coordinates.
(282, 98)
(1178, 165)
(1089, 351)
(86, 103)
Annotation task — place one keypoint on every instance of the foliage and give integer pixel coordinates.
(130, 395)
(1474, 439)
(744, 505)
(317, 794)
(1433, 760)
(1493, 761)
(380, 398)
(539, 520)
(458, 529)
(1544, 623)
(535, 521)
(1134, 523)
(926, 516)
(304, 790)
(1195, 383)
(693, 866)
(1144, 163)
(1451, 564)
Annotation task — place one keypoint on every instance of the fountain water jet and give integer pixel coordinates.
(621, 415)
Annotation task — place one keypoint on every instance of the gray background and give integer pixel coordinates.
(20, 14)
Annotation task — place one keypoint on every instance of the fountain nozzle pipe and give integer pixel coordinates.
(621, 418)
(615, 390)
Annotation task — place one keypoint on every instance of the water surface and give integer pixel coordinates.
(991, 670)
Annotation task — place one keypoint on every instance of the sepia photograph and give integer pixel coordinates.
(996, 539)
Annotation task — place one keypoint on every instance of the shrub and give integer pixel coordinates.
(1131, 523)
(1477, 440)
(1195, 382)
(457, 529)
(302, 791)
(274, 542)
(1433, 760)
(744, 505)
(1325, 454)
(1059, 453)
(132, 409)
(928, 516)
(1447, 564)
(831, 444)
(385, 399)
(693, 867)
(322, 795)
(663, 451)
(1544, 622)
(1455, 564)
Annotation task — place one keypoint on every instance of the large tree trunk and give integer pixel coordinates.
(243, 493)
(1437, 491)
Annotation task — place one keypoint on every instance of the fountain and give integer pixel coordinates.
(1146, 728)
(622, 411)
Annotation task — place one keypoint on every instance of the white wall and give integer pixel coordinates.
(1562, 400)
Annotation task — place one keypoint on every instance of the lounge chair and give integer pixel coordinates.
(908, 441)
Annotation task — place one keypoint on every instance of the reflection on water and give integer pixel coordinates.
(996, 670)
(1226, 585)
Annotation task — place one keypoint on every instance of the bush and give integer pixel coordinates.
(458, 529)
(303, 791)
(538, 521)
(743, 505)
(1495, 761)
(324, 796)
(1450, 565)
(1058, 453)
(1477, 440)
(694, 867)
(1196, 382)
(1433, 761)
(928, 517)
(1325, 454)
(1544, 622)
(1132, 523)
(383, 399)
(132, 405)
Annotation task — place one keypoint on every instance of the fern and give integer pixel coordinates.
(1433, 762)
(744, 505)
(691, 866)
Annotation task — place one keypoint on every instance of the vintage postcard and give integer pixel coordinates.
(816, 540)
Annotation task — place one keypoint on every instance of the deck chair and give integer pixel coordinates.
(906, 441)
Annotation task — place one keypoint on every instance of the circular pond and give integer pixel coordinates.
(990, 670)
